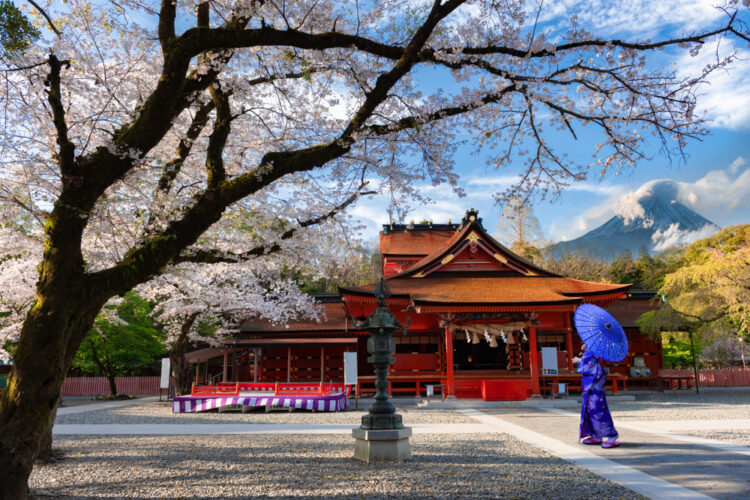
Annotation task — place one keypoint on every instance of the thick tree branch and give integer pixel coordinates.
(197, 125)
(166, 23)
(66, 149)
(218, 138)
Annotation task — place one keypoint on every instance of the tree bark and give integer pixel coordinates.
(46, 453)
(105, 371)
(180, 366)
(53, 331)
(112, 385)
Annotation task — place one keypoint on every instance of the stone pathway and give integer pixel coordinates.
(105, 405)
(651, 461)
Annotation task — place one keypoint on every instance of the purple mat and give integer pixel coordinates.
(188, 404)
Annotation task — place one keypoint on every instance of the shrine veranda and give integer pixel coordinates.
(479, 317)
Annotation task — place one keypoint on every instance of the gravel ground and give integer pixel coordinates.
(161, 413)
(711, 403)
(740, 437)
(465, 466)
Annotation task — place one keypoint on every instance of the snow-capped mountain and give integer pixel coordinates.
(653, 220)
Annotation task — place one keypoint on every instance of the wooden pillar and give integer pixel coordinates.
(289, 364)
(569, 341)
(449, 390)
(197, 371)
(322, 364)
(533, 361)
(224, 368)
(255, 365)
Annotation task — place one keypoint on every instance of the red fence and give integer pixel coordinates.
(715, 378)
(99, 386)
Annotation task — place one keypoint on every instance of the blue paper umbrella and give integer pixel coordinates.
(601, 333)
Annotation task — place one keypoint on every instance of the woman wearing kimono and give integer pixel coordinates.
(596, 422)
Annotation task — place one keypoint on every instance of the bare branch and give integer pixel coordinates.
(44, 14)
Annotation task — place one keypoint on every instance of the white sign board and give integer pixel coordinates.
(164, 382)
(549, 360)
(350, 368)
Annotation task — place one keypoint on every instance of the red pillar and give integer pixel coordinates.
(533, 361)
(255, 365)
(224, 367)
(569, 341)
(449, 390)
(322, 364)
(288, 364)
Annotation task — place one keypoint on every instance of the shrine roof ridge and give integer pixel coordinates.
(389, 228)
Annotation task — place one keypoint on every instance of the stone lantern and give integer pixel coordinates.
(382, 435)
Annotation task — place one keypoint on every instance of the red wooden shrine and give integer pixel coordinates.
(477, 312)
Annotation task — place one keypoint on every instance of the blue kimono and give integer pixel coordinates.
(595, 418)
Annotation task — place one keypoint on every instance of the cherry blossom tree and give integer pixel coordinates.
(224, 294)
(138, 139)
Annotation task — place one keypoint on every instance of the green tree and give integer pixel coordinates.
(652, 269)
(677, 350)
(713, 284)
(114, 348)
(708, 295)
(624, 269)
(578, 265)
(16, 32)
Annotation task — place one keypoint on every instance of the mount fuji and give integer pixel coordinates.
(651, 218)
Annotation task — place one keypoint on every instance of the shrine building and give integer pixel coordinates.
(476, 311)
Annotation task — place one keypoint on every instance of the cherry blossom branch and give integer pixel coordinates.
(214, 256)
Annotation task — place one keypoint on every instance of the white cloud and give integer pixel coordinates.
(629, 207)
(725, 99)
(639, 17)
(736, 164)
(673, 236)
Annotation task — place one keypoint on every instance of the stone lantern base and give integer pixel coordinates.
(382, 446)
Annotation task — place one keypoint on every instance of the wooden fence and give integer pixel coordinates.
(715, 378)
(99, 386)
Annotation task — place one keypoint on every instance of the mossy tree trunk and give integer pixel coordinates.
(52, 332)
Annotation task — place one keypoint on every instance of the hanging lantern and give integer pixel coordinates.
(474, 338)
(493, 342)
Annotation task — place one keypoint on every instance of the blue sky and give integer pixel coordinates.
(714, 181)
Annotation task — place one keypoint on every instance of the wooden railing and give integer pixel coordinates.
(714, 378)
(273, 388)
(99, 386)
